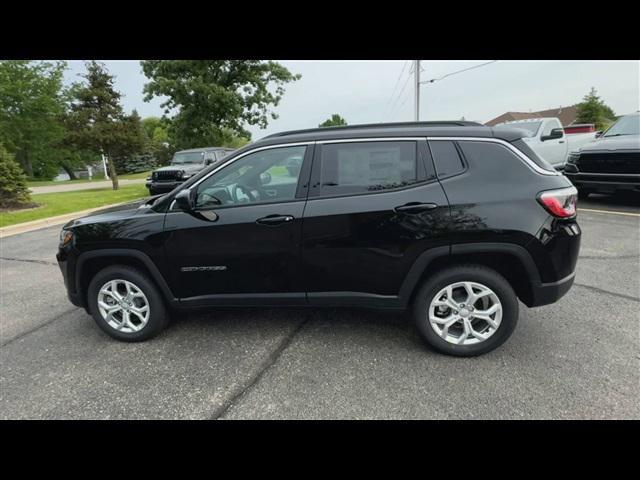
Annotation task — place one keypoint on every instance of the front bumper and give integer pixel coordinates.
(163, 187)
(604, 182)
(74, 297)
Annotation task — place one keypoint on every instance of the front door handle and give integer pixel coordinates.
(275, 219)
(415, 207)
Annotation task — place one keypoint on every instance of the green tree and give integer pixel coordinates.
(209, 97)
(594, 110)
(96, 120)
(335, 121)
(13, 182)
(158, 145)
(31, 104)
(132, 155)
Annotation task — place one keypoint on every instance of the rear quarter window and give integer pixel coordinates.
(446, 158)
(498, 157)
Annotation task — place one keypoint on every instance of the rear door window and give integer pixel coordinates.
(364, 167)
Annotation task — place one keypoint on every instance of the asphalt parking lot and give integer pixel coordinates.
(577, 359)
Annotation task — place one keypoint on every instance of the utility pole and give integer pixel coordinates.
(416, 77)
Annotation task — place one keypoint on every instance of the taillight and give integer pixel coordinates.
(560, 203)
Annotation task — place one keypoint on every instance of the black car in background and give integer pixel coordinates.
(611, 163)
(452, 221)
(184, 165)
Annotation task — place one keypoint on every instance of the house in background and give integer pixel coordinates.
(567, 116)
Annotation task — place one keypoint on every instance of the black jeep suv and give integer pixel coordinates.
(184, 165)
(453, 221)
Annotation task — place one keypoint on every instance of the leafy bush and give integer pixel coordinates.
(13, 182)
(136, 163)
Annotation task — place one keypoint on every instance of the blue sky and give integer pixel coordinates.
(361, 91)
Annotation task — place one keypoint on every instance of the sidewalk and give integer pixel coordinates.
(70, 187)
(25, 227)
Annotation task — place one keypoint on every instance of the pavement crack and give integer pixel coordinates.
(601, 290)
(607, 257)
(35, 329)
(265, 365)
(43, 262)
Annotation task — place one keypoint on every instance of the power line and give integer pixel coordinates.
(386, 108)
(458, 71)
(406, 82)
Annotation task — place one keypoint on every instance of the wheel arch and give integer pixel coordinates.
(91, 262)
(512, 261)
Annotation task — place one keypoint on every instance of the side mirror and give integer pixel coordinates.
(183, 200)
(599, 134)
(555, 133)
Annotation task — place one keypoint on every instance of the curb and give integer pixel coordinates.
(50, 221)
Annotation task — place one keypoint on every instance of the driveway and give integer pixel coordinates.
(71, 187)
(577, 359)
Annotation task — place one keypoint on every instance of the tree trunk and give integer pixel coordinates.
(72, 176)
(113, 174)
(25, 162)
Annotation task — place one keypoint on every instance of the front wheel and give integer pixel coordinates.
(465, 310)
(126, 304)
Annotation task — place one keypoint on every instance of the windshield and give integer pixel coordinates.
(187, 157)
(629, 125)
(530, 127)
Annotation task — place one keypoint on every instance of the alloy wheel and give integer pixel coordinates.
(465, 313)
(123, 305)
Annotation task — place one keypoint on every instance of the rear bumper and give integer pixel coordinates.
(546, 293)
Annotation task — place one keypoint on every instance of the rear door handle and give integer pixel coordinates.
(416, 207)
(275, 219)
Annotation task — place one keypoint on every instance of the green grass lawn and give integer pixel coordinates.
(48, 183)
(52, 204)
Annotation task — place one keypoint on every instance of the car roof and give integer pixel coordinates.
(206, 149)
(405, 129)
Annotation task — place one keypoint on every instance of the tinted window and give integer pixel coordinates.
(446, 158)
(265, 176)
(187, 157)
(629, 125)
(367, 167)
(498, 156)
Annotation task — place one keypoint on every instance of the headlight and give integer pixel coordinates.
(573, 156)
(66, 236)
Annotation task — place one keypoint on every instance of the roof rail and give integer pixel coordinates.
(443, 123)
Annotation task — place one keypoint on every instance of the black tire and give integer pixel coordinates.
(153, 192)
(583, 193)
(472, 273)
(158, 315)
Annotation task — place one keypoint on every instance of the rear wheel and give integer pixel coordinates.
(465, 310)
(126, 304)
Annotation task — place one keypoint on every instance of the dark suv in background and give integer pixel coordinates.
(610, 164)
(453, 221)
(184, 165)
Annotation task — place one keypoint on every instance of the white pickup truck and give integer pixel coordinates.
(548, 139)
